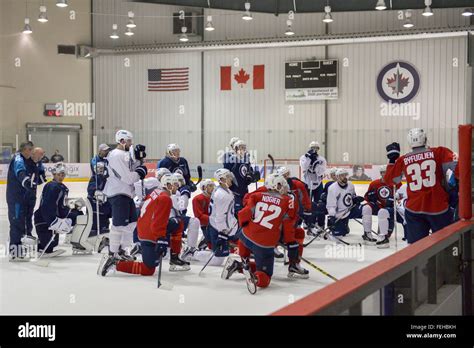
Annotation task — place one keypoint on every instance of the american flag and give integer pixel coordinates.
(164, 80)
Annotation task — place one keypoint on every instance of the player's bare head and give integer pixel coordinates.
(59, 172)
(162, 171)
(207, 186)
(358, 170)
(332, 173)
(179, 179)
(37, 154)
(284, 172)
(382, 170)
(169, 183)
(224, 177)
(277, 183)
(103, 150)
(416, 138)
(26, 149)
(342, 176)
(173, 151)
(314, 145)
(124, 139)
(232, 142)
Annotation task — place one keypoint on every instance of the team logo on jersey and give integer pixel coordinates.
(243, 171)
(398, 82)
(178, 171)
(384, 192)
(347, 200)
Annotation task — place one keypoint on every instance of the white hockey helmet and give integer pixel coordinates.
(222, 173)
(416, 137)
(383, 169)
(232, 142)
(238, 144)
(59, 168)
(341, 172)
(180, 178)
(333, 171)
(172, 147)
(314, 145)
(151, 183)
(205, 183)
(123, 135)
(168, 179)
(162, 171)
(283, 171)
(273, 180)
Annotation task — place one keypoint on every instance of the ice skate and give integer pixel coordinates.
(383, 244)
(279, 256)
(250, 278)
(124, 256)
(188, 253)
(107, 264)
(231, 266)
(20, 256)
(368, 238)
(104, 242)
(80, 250)
(296, 271)
(177, 264)
(29, 240)
(137, 249)
(202, 245)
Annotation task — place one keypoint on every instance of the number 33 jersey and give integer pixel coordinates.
(424, 169)
(264, 215)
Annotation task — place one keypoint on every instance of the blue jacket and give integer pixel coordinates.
(52, 204)
(37, 173)
(240, 168)
(180, 166)
(18, 180)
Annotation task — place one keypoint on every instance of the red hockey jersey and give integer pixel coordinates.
(298, 188)
(382, 191)
(263, 216)
(201, 208)
(424, 171)
(154, 216)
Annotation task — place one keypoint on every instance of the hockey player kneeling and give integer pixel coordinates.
(53, 217)
(262, 219)
(343, 204)
(152, 225)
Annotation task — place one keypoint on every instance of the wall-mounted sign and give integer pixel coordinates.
(398, 82)
(53, 110)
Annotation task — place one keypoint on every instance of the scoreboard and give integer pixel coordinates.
(311, 80)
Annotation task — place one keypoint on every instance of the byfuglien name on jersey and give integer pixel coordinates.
(37, 331)
(418, 157)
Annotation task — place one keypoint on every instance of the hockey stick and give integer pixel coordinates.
(273, 163)
(39, 261)
(202, 269)
(360, 222)
(160, 285)
(395, 216)
(97, 208)
(199, 170)
(319, 269)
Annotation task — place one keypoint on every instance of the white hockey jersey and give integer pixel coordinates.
(339, 199)
(122, 175)
(222, 216)
(313, 174)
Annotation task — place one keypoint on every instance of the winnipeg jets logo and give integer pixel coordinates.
(347, 200)
(243, 171)
(384, 192)
(398, 82)
(179, 171)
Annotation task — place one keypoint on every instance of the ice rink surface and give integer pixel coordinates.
(71, 286)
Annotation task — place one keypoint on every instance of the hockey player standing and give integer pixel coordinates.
(427, 205)
(95, 189)
(239, 165)
(119, 189)
(314, 168)
(37, 173)
(177, 164)
(18, 184)
(152, 226)
(52, 212)
(343, 204)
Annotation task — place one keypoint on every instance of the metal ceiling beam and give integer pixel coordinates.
(307, 6)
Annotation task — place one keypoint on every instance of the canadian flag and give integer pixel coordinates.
(242, 77)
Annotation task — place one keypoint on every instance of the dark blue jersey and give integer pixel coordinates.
(37, 173)
(180, 166)
(101, 178)
(240, 167)
(18, 180)
(53, 204)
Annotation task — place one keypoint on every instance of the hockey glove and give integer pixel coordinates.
(256, 176)
(307, 217)
(372, 197)
(331, 221)
(357, 200)
(141, 171)
(222, 245)
(192, 186)
(393, 152)
(140, 152)
(161, 247)
(293, 251)
(249, 178)
(100, 196)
